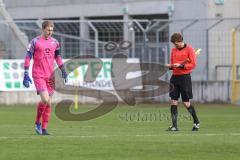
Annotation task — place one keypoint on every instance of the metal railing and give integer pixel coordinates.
(150, 40)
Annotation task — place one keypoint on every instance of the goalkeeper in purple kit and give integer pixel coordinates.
(44, 50)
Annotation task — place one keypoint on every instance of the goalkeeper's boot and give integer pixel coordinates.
(196, 126)
(45, 132)
(172, 129)
(38, 128)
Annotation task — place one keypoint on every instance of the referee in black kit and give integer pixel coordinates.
(182, 62)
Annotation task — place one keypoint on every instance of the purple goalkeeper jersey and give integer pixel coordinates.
(44, 52)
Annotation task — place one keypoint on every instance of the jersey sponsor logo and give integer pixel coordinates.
(47, 50)
(47, 53)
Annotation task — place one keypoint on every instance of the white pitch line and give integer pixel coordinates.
(193, 134)
(51, 136)
(107, 136)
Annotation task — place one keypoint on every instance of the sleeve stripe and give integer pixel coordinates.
(57, 53)
(29, 54)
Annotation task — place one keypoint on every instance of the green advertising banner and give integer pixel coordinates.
(11, 75)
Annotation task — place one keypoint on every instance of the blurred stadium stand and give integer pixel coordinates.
(12, 41)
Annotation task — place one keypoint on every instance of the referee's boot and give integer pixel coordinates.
(196, 126)
(172, 129)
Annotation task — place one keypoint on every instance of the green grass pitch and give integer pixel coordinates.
(128, 132)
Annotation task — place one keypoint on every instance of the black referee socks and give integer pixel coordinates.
(174, 115)
(192, 111)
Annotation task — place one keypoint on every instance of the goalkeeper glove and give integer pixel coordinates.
(26, 79)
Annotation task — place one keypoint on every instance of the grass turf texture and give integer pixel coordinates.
(124, 133)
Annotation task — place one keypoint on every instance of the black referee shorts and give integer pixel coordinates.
(182, 84)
